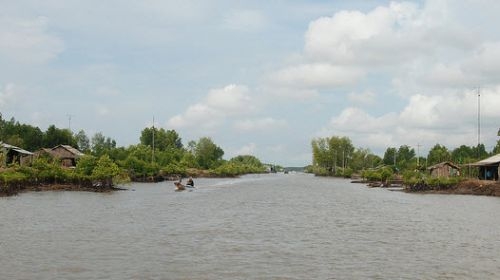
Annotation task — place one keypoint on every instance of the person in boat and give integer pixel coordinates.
(190, 182)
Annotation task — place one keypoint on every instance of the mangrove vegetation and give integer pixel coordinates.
(159, 155)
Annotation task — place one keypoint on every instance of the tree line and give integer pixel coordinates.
(337, 156)
(159, 152)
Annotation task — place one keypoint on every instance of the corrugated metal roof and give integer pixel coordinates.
(17, 149)
(488, 161)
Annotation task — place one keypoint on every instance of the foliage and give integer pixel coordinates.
(496, 149)
(330, 153)
(105, 170)
(428, 182)
(85, 165)
(234, 168)
(381, 174)
(101, 145)
(163, 140)
(12, 178)
(49, 171)
(55, 136)
(174, 169)
(247, 160)
(336, 156)
(82, 141)
(207, 154)
(438, 154)
(390, 156)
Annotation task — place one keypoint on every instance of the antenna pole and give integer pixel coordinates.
(153, 154)
(478, 121)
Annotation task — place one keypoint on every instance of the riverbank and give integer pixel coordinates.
(466, 187)
(16, 189)
(469, 187)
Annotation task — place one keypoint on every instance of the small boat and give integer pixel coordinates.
(181, 187)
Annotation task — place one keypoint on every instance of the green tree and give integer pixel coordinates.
(390, 156)
(463, 154)
(55, 136)
(496, 149)
(105, 170)
(247, 159)
(358, 161)
(22, 135)
(480, 152)
(438, 154)
(373, 161)
(330, 153)
(15, 140)
(342, 149)
(322, 156)
(85, 165)
(82, 141)
(101, 145)
(405, 158)
(163, 140)
(207, 153)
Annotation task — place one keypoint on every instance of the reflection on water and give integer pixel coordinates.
(276, 226)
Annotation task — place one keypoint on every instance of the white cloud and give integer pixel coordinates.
(316, 75)
(8, 95)
(485, 62)
(364, 98)
(353, 37)
(448, 119)
(284, 92)
(198, 115)
(215, 108)
(27, 40)
(263, 124)
(230, 100)
(356, 120)
(248, 149)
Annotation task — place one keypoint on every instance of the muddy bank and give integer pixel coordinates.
(470, 187)
(20, 188)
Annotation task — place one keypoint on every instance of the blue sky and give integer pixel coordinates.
(258, 77)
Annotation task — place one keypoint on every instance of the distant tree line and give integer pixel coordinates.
(159, 152)
(336, 156)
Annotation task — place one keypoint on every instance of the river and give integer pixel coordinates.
(276, 226)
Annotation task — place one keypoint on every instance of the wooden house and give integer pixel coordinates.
(64, 153)
(67, 154)
(488, 168)
(444, 169)
(10, 154)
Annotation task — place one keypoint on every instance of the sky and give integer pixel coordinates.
(258, 77)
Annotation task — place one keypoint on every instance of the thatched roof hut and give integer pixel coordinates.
(65, 153)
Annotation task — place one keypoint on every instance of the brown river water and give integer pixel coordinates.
(275, 226)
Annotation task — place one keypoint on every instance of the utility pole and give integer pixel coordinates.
(69, 121)
(478, 121)
(418, 155)
(153, 153)
(69, 128)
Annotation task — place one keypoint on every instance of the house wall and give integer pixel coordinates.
(444, 171)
